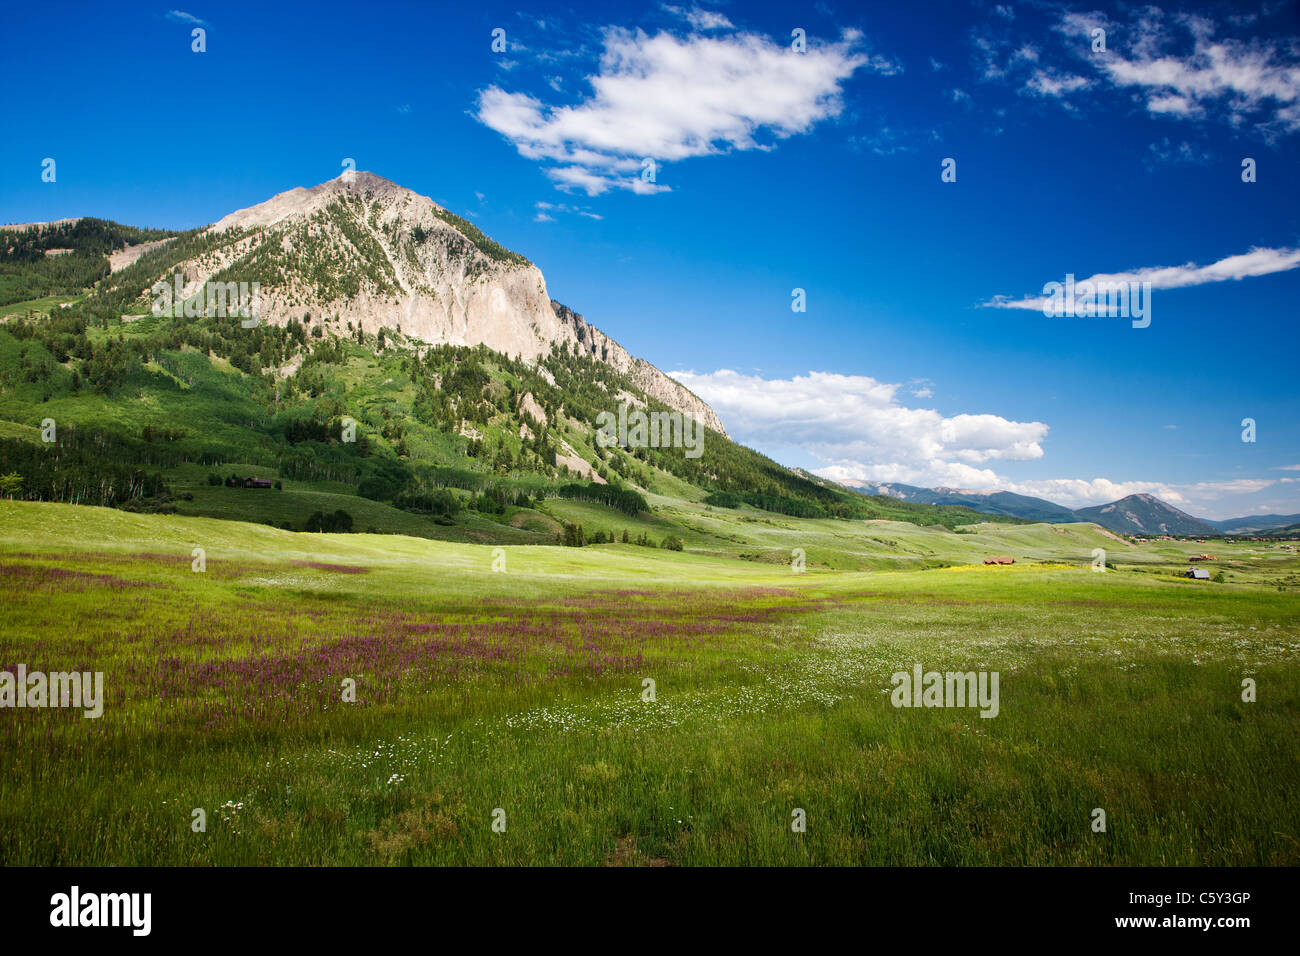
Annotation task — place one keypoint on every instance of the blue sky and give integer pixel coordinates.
(777, 170)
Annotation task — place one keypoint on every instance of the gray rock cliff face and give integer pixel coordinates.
(644, 375)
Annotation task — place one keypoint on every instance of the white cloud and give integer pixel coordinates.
(667, 98)
(885, 141)
(180, 16)
(546, 207)
(1214, 499)
(1001, 56)
(1053, 84)
(1256, 262)
(1228, 78)
(1173, 65)
(1183, 152)
(1084, 493)
(857, 425)
(1171, 105)
(700, 19)
(864, 435)
(884, 65)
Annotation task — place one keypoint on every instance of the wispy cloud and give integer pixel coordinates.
(700, 19)
(666, 98)
(1177, 66)
(885, 141)
(1167, 153)
(1054, 83)
(544, 210)
(1256, 262)
(180, 16)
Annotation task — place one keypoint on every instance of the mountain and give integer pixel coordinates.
(1004, 503)
(888, 501)
(470, 387)
(1136, 514)
(1291, 529)
(362, 251)
(1145, 514)
(1254, 523)
(406, 375)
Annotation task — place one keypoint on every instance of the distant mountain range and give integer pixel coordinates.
(1136, 514)
(1257, 523)
(989, 502)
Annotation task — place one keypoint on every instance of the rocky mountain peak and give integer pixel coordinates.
(364, 250)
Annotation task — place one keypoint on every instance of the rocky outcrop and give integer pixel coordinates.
(528, 406)
(121, 258)
(644, 375)
(360, 249)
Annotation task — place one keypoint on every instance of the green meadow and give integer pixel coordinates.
(620, 705)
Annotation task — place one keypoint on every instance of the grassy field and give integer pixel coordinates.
(38, 306)
(522, 691)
